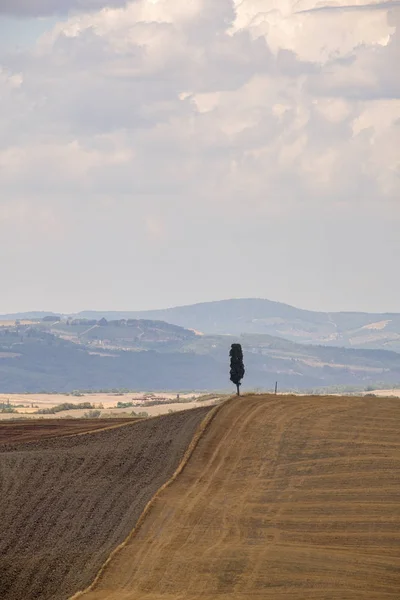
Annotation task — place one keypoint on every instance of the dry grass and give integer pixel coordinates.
(283, 498)
(67, 502)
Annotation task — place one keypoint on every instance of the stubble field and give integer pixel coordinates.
(283, 498)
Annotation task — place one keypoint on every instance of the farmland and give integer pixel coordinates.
(284, 497)
(37, 406)
(281, 497)
(67, 502)
(36, 430)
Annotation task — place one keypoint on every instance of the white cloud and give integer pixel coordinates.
(171, 117)
(35, 8)
(10, 81)
(313, 36)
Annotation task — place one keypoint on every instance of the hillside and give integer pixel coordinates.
(32, 360)
(249, 316)
(358, 330)
(60, 357)
(122, 334)
(67, 502)
(282, 498)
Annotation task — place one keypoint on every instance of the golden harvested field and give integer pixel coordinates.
(106, 399)
(28, 404)
(67, 502)
(386, 393)
(283, 498)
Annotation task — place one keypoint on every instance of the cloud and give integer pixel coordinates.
(41, 8)
(313, 36)
(158, 135)
(352, 7)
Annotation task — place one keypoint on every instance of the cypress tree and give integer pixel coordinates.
(237, 366)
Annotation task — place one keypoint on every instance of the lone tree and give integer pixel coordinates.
(237, 366)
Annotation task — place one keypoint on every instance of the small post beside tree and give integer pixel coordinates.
(237, 366)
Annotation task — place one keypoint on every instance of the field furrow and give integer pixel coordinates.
(284, 497)
(66, 502)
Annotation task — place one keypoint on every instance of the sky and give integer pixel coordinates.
(156, 153)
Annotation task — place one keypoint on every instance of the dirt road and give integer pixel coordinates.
(284, 498)
(66, 503)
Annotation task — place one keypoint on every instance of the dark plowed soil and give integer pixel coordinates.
(66, 503)
(39, 429)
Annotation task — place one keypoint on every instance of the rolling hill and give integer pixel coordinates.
(350, 329)
(282, 498)
(56, 356)
(261, 316)
(32, 360)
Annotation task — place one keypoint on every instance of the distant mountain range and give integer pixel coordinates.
(349, 329)
(257, 316)
(57, 354)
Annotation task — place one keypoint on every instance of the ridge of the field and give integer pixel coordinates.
(283, 497)
(66, 502)
(149, 506)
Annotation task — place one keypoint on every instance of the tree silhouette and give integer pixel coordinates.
(237, 366)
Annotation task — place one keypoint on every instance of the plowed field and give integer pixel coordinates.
(40, 429)
(284, 497)
(67, 502)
